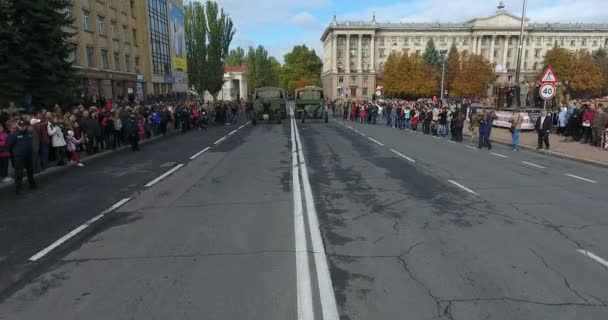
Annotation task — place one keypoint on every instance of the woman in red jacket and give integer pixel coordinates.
(4, 156)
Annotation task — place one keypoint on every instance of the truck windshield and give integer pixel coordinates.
(270, 94)
(310, 95)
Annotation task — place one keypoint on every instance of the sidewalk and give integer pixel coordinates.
(570, 150)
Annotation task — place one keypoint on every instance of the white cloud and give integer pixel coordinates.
(304, 19)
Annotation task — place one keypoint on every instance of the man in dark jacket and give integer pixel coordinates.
(133, 132)
(20, 145)
(543, 128)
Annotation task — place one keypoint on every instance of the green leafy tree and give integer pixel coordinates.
(453, 51)
(220, 33)
(236, 57)
(195, 25)
(302, 65)
(561, 60)
(35, 64)
(431, 55)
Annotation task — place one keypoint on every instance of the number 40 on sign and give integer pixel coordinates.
(547, 91)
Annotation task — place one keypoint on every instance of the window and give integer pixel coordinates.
(496, 40)
(365, 79)
(159, 37)
(101, 25)
(341, 41)
(381, 66)
(132, 7)
(122, 6)
(364, 54)
(68, 12)
(381, 41)
(584, 42)
(526, 53)
(125, 37)
(465, 41)
(495, 53)
(137, 64)
(353, 53)
(549, 40)
(340, 79)
(364, 66)
(562, 40)
(525, 65)
(85, 20)
(539, 40)
(113, 29)
(135, 36)
(535, 65)
(353, 41)
(417, 52)
(536, 54)
(509, 53)
(595, 43)
(340, 53)
(104, 59)
(116, 60)
(527, 41)
(454, 40)
(111, 3)
(508, 65)
(365, 41)
(406, 52)
(340, 67)
(127, 63)
(606, 42)
(418, 40)
(572, 43)
(510, 40)
(441, 39)
(483, 40)
(406, 40)
(364, 91)
(73, 56)
(90, 56)
(381, 53)
(353, 79)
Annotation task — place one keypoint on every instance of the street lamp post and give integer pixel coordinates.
(521, 42)
(442, 70)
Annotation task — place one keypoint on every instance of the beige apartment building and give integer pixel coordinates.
(122, 47)
(355, 52)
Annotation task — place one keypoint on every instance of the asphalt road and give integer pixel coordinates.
(317, 221)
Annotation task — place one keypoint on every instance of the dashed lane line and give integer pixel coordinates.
(199, 153)
(498, 155)
(403, 156)
(220, 140)
(471, 147)
(533, 165)
(232, 132)
(594, 257)
(76, 231)
(376, 141)
(580, 178)
(164, 175)
(462, 187)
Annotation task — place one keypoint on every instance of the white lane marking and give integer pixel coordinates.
(164, 175)
(220, 140)
(450, 141)
(471, 147)
(329, 309)
(199, 153)
(436, 137)
(402, 155)
(232, 132)
(533, 165)
(376, 141)
(359, 132)
(594, 257)
(462, 187)
(349, 127)
(304, 285)
(74, 232)
(580, 178)
(498, 155)
(242, 126)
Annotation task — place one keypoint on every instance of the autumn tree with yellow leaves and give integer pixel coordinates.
(408, 76)
(473, 77)
(579, 68)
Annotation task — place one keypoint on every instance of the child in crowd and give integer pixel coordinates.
(72, 148)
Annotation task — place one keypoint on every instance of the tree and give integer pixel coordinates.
(601, 58)
(453, 68)
(453, 51)
(35, 63)
(473, 78)
(390, 75)
(586, 80)
(562, 62)
(408, 76)
(236, 57)
(301, 66)
(195, 25)
(431, 55)
(220, 32)
(264, 71)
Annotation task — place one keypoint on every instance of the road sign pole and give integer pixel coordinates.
(545, 104)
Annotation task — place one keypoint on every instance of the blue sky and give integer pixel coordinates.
(278, 25)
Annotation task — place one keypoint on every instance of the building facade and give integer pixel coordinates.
(355, 52)
(119, 44)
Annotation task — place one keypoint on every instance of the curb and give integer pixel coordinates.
(100, 155)
(550, 153)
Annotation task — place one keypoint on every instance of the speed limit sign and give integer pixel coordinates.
(547, 91)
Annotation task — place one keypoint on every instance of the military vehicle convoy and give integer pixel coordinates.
(269, 103)
(309, 104)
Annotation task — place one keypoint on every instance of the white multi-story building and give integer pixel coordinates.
(355, 51)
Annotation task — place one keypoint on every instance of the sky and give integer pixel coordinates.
(278, 25)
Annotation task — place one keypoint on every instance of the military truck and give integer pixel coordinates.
(269, 103)
(309, 104)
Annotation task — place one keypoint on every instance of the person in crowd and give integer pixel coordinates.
(5, 155)
(443, 122)
(415, 119)
(543, 129)
(117, 130)
(55, 131)
(474, 126)
(587, 121)
(516, 122)
(35, 144)
(45, 142)
(457, 125)
(362, 115)
(599, 124)
(20, 146)
(72, 144)
(562, 120)
(132, 129)
(485, 129)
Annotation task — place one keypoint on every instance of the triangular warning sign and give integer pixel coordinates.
(549, 76)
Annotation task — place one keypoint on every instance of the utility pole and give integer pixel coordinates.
(442, 70)
(520, 47)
